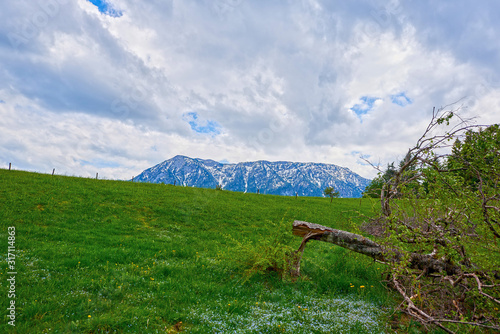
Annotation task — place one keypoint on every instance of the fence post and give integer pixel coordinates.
(96, 174)
(10, 164)
(53, 171)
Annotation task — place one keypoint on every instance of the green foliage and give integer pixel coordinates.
(450, 207)
(330, 192)
(477, 158)
(271, 253)
(475, 166)
(374, 189)
(459, 206)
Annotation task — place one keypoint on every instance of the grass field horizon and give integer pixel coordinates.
(102, 256)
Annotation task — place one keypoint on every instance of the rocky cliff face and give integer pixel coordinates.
(278, 178)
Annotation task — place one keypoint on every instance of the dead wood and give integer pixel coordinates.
(368, 247)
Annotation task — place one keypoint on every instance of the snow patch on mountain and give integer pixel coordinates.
(277, 178)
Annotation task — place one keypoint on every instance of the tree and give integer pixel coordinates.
(477, 162)
(477, 155)
(439, 226)
(374, 189)
(330, 191)
(455, 223)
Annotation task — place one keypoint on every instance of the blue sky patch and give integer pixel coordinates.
(367, 103)
(2, 101)
(106, 8)
(201, 126)
(401, 99)
(361, 158)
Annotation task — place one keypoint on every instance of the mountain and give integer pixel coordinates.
(277, 178)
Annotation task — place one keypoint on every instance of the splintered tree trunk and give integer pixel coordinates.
(363, 245)
(351, 241)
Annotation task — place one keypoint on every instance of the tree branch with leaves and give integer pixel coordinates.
(439, 225)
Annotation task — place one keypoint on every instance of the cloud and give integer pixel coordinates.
(121, 85)
(469, 30)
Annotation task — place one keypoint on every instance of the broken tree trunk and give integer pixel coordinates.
(365, 246)
(351, 241)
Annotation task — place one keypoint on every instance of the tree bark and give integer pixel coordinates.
(351, 241)
(365, 246)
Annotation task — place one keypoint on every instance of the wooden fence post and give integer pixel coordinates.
(53, 171)
(10, 164)
(96, 174)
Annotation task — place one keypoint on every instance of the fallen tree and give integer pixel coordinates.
(427, 263)
(438, 227)
(365, 246)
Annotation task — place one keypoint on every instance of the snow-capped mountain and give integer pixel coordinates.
(277, 178)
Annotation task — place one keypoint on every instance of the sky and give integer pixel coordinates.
(116, 86)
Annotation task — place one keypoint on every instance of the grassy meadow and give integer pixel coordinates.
(95, 256)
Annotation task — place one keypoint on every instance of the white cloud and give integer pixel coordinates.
(305, 81)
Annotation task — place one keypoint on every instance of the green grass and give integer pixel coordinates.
(96, 256)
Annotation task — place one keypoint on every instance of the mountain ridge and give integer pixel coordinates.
(278, 178)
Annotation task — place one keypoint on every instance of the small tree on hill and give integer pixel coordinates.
(330, 191)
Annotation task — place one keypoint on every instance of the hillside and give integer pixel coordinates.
(277, 178)
(112, 256)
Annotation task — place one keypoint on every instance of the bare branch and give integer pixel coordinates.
(468, 323)
(480, 287)
(412, 309)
